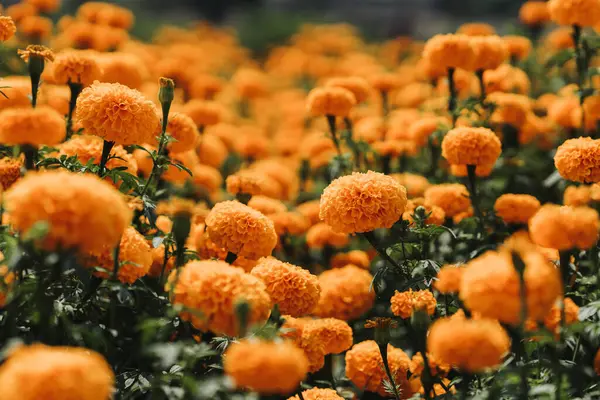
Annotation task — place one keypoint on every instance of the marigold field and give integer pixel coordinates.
(336, 219)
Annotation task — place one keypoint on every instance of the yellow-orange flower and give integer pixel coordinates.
(248, 182)
(250, 83)
(334, 334)
(7, 28)
(435, 215)
(516, 208)
(321, 234)
(267, 205)
(471, 146)
(490, 52)
(405, 303)
(334, 100)
(289, 223)
(421, 130)
(358, 86)
(553, 318)
(472, 345)
(241, 230)
(76, 66)
(578, 160)
(45, 6)
(266, 367)
(415, 184)
(35, 27)
(354, 257)
(476, 29)
(10, 171)
(490, 286)
(183, 129)
(362, 202)
(43, 372)
(450, 51)
(87, 147)
(345, 293)
(213, 288)
(564, 228)
(534, 13)
(364, 367)
(293, 288)
(318, 394)
(518, 47)
(203, 112)
(448, 279)
(453, 198)
(117, 113)
(35, 126)
(205, 87)
(69, 203)
(574, 12)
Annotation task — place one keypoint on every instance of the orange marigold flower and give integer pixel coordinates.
(205, 86)
(87, 148)
(436, 367)
(211, 150)
(207, 177)
(578, 160)
(490, 52)
(247, 182)
(472, 345)
(135, 258)
(183, 129)
(385, 81)
(364, 367)
(330, 101)
(358, 86)
(453, 198)
(450, 51)
(448, 279)
(516, 208)
(318, 394)
(124, 68)
(10, 171)
(241, 230)
(20, 10)
(76, 66)
(310, 210)
(534, 13)
(265, 367)
(7, 28)
(18, 91)
(510, 108)
(312, 345)
(117, 113)
(45, 6)
(481, 170)
(415, 184)
(213, 288)
(43, 372)
(553, 318)
(267, 205)
(490, 286)
(35, 27)
(286, 177)
(250, 83)
(253, 147)
(159, 264)
(405, 303)
(354, 257)
(362, 202)
(293, 288)
(436, 216)
(471, 146)
(574, 12)
(69, 203)
(345, 293)
(576, 196)
(518, 47)
(203, 112)
(564, 228)
(476, 29)
(289, 223)
(321, 234)
(421, 130)
(335, 334)
(35, 126)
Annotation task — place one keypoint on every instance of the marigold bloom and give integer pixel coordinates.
(43, 372)
(203, 112)
(318, 394)
(358, 86)
(250, 83)
(334, 334)
(552, 319)
(415, 184)
(490, 286)
(472, 345)
(453, 198)
(124, 68)
(45, 6)
(385, 81)
(266, 205)
(253, 147)
(76, 66)
(69, 203)
(10, 171)
(246, 181)
(321, 234)
(403, 304)
(476, 29)
(117, 113)
(345, 293)
(364, 367)
(290, 223)
(159, 263)
(534, 13)
(87, 148)
(574, 12)
(135, 258)
(205, 86)
(448, 279)
(421, 130)
(241, 230)
(481, 171)
(362, 202)
(310, 210)
(7, 28)
(471, 146)
(293, 288)
(334, 101)
(183, 129)
(211, 150)
(576, 196)
(518, 47)
(564, 228)
(35, 27)
(436, 367)
(578, 160)
(435, 215)
(213, 288)
(516, 208)
(36, 126)
(265, 367)
(450, 51)
(354, 257)
(490, 52)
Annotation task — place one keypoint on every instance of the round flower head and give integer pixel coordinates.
(332, 101)
(362, 202)
(45, 6)
(10, 171)
(265, 367)
(135, 258)
(124, 68)
(267, 205)
(18, 92)
(248, 182)
(578, 160)
(354, 257)
(36, 28)
(358, 86)
(206, 177)
(159, 266)
(69, 203)
(480, 171)
(453, 198)
(415, 184)
(472, 345)
(311, 344)
(318, 394)
(241, 230)
(7, 28)
(213, 289)
(335, 334)
(183, 129)
(321, 234)
(448, 279)
(534, 13)
(205, 86)
(87, 147)
(34, 126)
(450, 51)
(203, 112)
(471, 146)
(476, 29)
(364, 367)
(211, 150)
(76, 66)
(553, 318)
(294, 289)
(117, 114)
(289, 223)
(519, 47)
(405, 303)
(516, 208)
(345, 293)
(250, 83)
(564, 228)
(43, 372)
(490, 52)
(574, 12)
(421, 130)
(490, 286)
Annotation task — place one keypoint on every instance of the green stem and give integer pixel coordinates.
(482, 94)
(386, 365)
(231, 257)
(452, 96)
(385, 103)
(370, 236)
(333, 131)
(116, 264)
(76, 89)
(106, 149)
(30, 152)
(472, 179)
